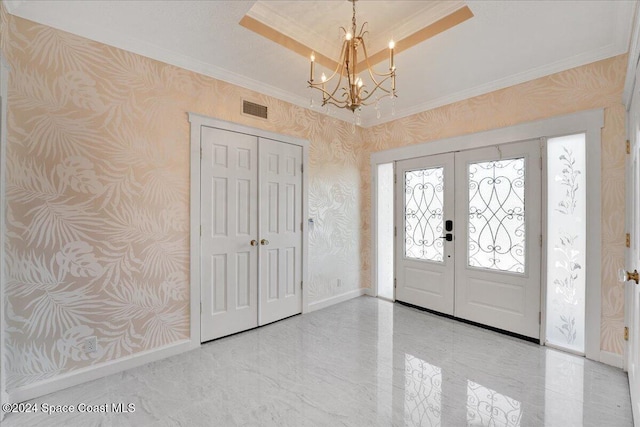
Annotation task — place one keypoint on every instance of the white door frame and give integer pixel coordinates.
(4, 79)
(590, 122)
(630, 264)
(197, 122)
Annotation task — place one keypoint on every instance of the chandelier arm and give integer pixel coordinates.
(339, 70)
(376, 87)
(370, 68)
(330, 96)
(337, 103)
(340, 62)
(364, 103)
(326, 94)
(362, 32)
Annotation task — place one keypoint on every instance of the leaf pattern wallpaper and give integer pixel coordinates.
(98, 190)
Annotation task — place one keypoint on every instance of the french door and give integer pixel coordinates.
(425, 273)
(469, 235)
(251, 239)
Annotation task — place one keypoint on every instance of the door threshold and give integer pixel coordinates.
(469, 322)
(250, 329)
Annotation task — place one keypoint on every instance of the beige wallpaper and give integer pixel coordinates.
(98, 187)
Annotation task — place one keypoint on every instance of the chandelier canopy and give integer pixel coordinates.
(345, 88)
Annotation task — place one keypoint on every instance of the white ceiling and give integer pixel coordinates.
(316, 24)
(505, 43)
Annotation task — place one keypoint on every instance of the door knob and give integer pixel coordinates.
(254, 243)
(625, 276)
(264, 242)
(448, 237)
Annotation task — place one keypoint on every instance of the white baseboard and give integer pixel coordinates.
(91, 373)
(318, 305)
(612, 359)
(369, 291)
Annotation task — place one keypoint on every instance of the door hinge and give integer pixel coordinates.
(395, 178)
(200, 231)
(628, 147)
(395, 231)
(541, 240)
(200, 153)
(628, 240)
(395, 283)
(539, 317)
(626, 333)
(300, 226)
(200, 308)
(301, 167)
(301, 283)
(540, 162)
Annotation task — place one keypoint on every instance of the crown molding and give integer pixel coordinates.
(156, 52)
(605, 52)
(159, 53)
(430, 13)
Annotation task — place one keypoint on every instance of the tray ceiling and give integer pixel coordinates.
(504, 43)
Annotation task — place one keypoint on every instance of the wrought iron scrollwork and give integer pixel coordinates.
(424, 224)
(497, 215)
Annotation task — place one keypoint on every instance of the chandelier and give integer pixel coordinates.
(353, 93)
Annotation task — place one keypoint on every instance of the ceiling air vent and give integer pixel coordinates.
(253, 109)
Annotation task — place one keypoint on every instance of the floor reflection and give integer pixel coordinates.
(446, 373)
(486, 407)
(422, 393)
(365, 362)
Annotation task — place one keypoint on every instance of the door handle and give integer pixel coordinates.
(625, 276)
(264, 242)
(448, 237)
(254, 243)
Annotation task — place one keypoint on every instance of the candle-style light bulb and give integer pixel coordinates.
(348, 36)
(313, 61)
(392, 44)
(323, 78)
(359, 82)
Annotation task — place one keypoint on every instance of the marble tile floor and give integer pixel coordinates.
(365, 362)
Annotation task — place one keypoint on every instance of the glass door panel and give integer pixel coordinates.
(497, 215)
(423, 213)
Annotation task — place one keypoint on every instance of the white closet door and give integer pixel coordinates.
(229, 215)
(498, 244)
(280, 230)
(424, 256)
